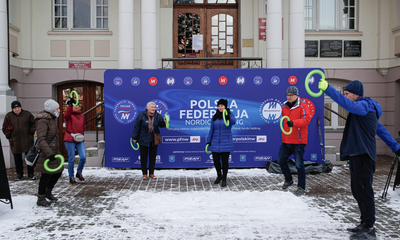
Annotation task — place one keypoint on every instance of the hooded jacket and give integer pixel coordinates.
(300, 115)
(75, 123)
(19, 130)
(47, 129)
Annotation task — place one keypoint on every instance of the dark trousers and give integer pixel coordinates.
(152, 152)
(47, 181)
(19, 164)
(217, 158)
(362, 169)
(297, 150)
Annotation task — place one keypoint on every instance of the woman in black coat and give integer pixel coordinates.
(147, 123)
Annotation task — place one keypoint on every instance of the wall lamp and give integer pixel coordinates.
(15, 54)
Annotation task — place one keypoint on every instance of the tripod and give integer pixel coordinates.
(385, 189)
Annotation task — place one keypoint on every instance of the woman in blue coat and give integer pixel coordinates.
(220, 140)
(147, 123)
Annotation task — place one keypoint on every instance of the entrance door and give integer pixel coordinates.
(90, 94)
(218, 28)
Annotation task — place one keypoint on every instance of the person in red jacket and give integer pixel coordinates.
(295, 142)
(75, 124)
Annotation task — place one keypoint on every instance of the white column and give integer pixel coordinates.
(274, 33)
(3, 48)
(296, 34)
(149, 34)
(126, 51)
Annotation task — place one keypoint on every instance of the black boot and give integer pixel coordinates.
(217, 180)
(50, 196)
(41, 201)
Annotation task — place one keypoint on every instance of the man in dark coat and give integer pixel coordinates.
(359, 147)
(19, 128)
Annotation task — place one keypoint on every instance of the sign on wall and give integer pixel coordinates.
(189, 97)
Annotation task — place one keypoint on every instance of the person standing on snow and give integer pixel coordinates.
(19, 128)
(295, 142)
(359, 147)
(220, 141)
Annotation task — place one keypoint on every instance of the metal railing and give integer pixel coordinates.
(213, 62)
(333, 111)
(97, 117)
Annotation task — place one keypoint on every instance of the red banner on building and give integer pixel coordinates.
(80, 64)
(262, 28)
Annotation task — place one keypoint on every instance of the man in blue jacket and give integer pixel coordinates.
(359, 147)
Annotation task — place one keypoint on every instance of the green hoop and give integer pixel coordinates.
(207, 149)
(45, 165)
(225, 112)
(166, 118)
(137, 148)
(77, 98)
(283, 130)
(313, 94)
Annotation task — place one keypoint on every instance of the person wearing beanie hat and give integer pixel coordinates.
(219, 140)
(294, 143)
(19, 128)
(358, 145)
(46, 123)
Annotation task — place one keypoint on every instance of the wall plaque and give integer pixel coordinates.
(352, 48)
(330, 48)
(311, 48)
(248, 42)
(166, 3)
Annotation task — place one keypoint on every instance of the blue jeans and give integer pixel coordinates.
(80, 147)
(298, 151)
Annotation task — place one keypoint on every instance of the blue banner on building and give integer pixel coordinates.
(189, 97)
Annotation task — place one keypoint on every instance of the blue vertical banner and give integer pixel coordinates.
(189, 97)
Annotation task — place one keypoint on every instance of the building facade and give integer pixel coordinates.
(55, 46)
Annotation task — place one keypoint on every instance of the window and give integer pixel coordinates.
(80, 14)
(330, 14)
(332, 120)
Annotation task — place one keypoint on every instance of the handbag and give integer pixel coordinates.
(33, 154)
(78, 137)
(157, 138)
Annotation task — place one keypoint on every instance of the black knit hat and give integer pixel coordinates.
(223, 102)
(293, 90)
(15, 104)
(355, 87)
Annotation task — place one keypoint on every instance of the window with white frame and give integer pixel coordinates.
(332, 120)
(330, 15)
(80, 14)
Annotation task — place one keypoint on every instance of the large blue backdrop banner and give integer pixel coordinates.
(189, 97)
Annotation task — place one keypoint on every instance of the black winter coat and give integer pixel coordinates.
(141, 128)
(23, 129)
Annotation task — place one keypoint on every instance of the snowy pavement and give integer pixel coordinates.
(185, 204)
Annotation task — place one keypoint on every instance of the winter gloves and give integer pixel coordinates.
(398, 152)
(71, 101)
(323, 84)
(52, 157)
(290, 123)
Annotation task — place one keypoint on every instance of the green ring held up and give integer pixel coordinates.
(313, 94)
(207, 149)
(283, 130)
(45, 165)
(77, 98)
(137, 148)
(225, 113)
